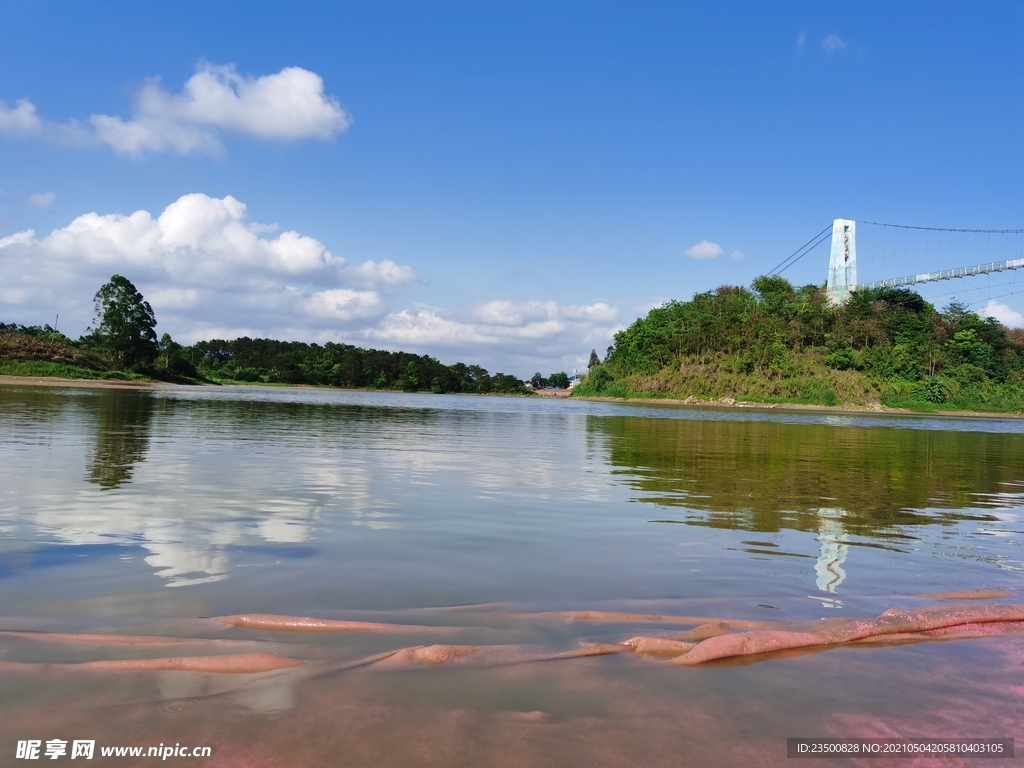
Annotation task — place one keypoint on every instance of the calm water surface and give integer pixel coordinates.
(141, 512)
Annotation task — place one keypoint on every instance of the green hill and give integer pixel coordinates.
(778, 343)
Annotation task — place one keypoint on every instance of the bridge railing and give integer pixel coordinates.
(945, 274)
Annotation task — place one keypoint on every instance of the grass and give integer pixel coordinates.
(804, 379)
(993, 398)
(45, 368)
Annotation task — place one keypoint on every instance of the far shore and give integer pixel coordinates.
(864, 410)
(729, 403)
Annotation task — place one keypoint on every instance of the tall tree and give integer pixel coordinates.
(125, 323)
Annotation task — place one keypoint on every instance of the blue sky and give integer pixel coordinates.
(500, 183)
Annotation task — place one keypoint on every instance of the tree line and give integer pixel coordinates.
(124, 334)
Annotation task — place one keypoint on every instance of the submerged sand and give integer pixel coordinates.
(604, 704)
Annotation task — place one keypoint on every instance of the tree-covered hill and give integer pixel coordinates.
(779, 343)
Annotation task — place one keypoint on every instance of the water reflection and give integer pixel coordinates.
(848, 486)
(830, 480)
(192, 485)
(123, 420)
(834, 545)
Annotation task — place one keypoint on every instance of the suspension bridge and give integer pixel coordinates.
(947, 254)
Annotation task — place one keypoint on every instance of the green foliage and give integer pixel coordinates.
(594, 360)
(35, 331)
(599, 378)
(559, 380)
(840, 354)
(340, 365)
(412, 378)
(125, 324)
(172, 360)
(776, 340)
(43, 368)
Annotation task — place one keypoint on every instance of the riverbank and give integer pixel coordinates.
(57, 381)
(727, 403)
(730, 403)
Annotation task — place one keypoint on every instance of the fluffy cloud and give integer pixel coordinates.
(704, 250)
(833, 43)
(290, 104)
(385, 272)
(522, 335)
(345, 304)
(211, 273)
(202, 266)
(21, 119)
(1003, 314)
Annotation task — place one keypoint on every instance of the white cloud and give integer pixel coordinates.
(290, 104)
(21, 119)
(801, 40)
(738, 255)
(521, 335)
(201, 265)
(18, 238)
(346, 304)
(173, 298)
(42, 200)
(704, 250)
(594, 313)
(833, 43)
(211, 273)
(1003, 314)
(385, 272)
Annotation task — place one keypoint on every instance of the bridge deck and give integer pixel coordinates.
(946, 274)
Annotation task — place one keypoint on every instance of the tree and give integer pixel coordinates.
(168, 348)
(594, 360)
(412, 377)
(125, 323)
(560, 380)
(172, 358)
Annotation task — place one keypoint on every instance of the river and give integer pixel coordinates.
(473, 521)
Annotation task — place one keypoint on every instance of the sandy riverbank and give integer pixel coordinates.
(552, 392)
(55, 381)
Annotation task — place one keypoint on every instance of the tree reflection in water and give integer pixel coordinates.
(834, 481)
(123, 420)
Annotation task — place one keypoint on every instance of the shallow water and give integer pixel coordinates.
(137, 512)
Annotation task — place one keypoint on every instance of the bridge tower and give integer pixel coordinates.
(842, 263)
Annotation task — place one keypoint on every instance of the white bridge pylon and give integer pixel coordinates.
(842, 261)
(842, 265)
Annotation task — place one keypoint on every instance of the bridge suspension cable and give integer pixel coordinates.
(802, 251)
(948, 229)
